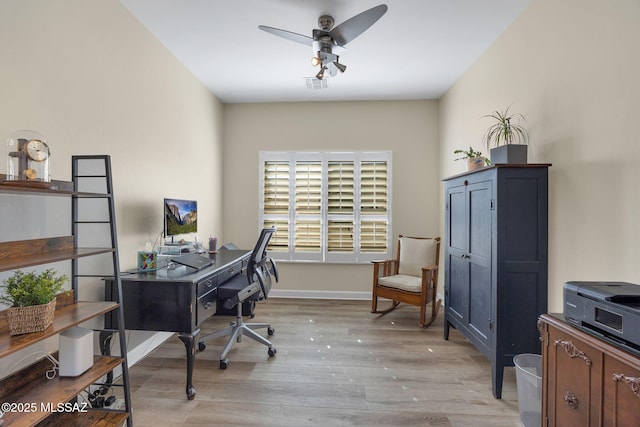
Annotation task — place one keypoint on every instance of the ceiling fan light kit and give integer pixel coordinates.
(328, 41)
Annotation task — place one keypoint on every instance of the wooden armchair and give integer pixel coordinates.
(411, 278)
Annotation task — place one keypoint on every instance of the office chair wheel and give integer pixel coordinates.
(272, 351)
(270, 331)
(202, 345)
(224, 363)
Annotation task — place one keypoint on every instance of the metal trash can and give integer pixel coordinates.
(529, 383)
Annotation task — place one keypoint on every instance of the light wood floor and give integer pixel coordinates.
(336, 365)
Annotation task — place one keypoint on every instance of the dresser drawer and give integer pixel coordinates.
(575, 385)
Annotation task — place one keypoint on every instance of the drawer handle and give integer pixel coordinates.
(573, 351)
(571, 400)
(632, 382)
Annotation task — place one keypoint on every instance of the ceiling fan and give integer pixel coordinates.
(328, 41)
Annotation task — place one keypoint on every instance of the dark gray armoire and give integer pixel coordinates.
(496, 232)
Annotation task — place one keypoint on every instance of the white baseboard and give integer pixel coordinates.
(345, 295)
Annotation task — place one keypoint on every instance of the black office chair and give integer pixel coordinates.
(252, 286)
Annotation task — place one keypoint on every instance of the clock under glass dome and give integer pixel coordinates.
(28, 157)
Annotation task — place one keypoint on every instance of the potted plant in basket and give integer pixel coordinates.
(474, 158)
(31, 299)
(508, 137)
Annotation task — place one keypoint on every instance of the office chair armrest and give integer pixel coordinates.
(274, 268)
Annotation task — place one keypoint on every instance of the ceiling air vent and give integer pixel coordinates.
(314, 83)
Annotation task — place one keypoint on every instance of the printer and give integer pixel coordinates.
(609, 310)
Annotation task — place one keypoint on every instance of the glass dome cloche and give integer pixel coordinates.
(28, 160)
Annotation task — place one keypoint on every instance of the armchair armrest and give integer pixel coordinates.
(379, 261)
(428, 268)
(429, 277)
(383, 268)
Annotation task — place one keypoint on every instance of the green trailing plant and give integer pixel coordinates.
(470, 154)
(26, 289)
(506, 130)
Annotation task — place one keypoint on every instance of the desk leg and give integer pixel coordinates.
(190, 340)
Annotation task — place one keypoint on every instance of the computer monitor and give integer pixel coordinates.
(180, 217)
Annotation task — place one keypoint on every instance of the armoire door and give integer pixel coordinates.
(457, 279)
(480, 208)
(468, 264)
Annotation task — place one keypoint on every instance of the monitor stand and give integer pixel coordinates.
(180, 242)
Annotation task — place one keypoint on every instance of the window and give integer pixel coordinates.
(327, 207)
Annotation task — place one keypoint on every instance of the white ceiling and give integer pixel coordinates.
(417, 50)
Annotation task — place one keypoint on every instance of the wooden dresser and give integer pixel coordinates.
(585, 380)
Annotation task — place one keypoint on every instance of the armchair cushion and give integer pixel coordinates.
(402, 282)
(415, 254)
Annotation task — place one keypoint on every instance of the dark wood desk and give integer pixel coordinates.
(176, 300)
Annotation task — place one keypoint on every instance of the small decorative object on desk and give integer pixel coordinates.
(213, 244)
(28, 160)
(147, 260)
(32, 300)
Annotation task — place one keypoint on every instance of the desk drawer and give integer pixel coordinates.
(229, 272)
(207, 285)
(206, 306)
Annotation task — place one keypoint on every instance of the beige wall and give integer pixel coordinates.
(572, 68)
(93, 80)
(407, 128)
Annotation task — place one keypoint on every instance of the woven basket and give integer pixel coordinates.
(33, 318)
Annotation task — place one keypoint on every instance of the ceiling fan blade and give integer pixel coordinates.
(353, 27)
(299, 38)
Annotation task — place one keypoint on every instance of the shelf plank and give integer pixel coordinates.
(96, 418)
(30, 386)
(29, 253)
(65, 318)
(65, 188)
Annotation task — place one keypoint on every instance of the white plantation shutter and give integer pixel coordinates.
(341, 188)
(308, 206)
(327, 207)
(340, 206)
(275, 190)
(340, 236)
(373, 188)
(373, 206)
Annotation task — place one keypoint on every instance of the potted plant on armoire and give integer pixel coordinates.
(507, 138)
